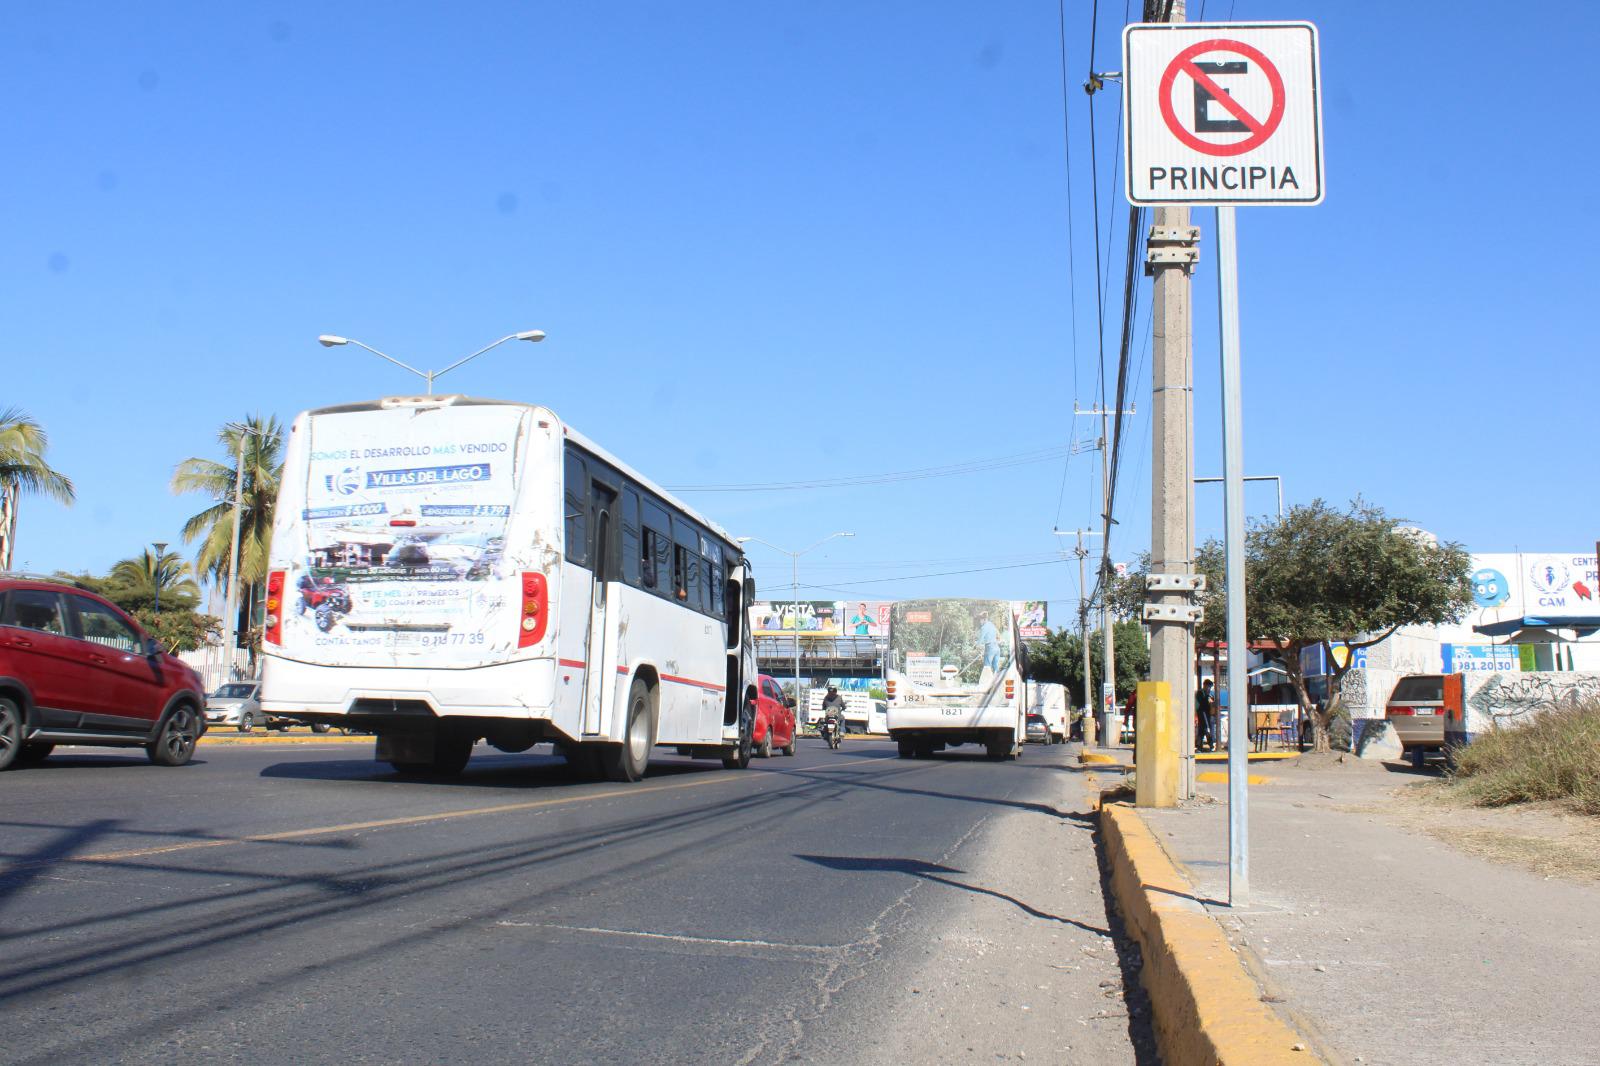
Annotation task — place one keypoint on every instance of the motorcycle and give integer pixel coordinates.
(831, 733)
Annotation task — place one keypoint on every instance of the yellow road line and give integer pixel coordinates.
(381, 823)
(1253, 756)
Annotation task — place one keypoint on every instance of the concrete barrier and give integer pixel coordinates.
(1207, 1009)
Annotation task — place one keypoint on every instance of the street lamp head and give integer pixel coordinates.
(531, 335)
(844, 534)
(159, 545)
(328, 340)
(742, 540)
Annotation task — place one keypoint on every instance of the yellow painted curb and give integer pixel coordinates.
(296, 738)
(1096, 758)
(1253, 756)
(1207, 1009)
(1220, 777)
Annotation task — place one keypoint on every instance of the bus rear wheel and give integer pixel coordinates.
(627, 761)
(738, 757)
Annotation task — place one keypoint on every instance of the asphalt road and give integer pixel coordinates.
(298, 902)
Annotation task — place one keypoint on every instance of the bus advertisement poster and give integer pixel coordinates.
(405, 518)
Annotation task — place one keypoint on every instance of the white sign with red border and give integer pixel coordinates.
(1222, 113)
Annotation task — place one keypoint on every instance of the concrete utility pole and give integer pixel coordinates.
(1108, 661)
(1168, 611)
(1083, 630)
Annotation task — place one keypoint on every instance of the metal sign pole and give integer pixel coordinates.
(1233, 493)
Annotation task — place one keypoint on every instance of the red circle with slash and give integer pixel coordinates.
(1260, 129)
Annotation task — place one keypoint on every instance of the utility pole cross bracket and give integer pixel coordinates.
(1174, 235)
(1174, 256)
(1175, 582)
(1186, 613)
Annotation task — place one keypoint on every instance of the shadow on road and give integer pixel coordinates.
(932, 871)
(484, 771)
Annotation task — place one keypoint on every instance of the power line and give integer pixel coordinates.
(1072, 261)
(971, 466)
(945, 573)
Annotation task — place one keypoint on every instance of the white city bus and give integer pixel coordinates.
(446, 569)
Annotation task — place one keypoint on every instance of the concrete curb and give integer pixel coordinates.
(1207, 1009)
(1097, 758)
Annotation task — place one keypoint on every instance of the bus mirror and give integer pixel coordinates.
(749, 589)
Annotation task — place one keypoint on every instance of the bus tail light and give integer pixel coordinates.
(274, 621)
(535, 617)
(1011, 689)
(890, 687)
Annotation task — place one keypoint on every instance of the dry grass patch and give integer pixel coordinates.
(1555, 757)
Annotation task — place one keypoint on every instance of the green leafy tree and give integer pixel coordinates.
(212, 528)
(1058, 659)
(138, 580)
(131, 586)
(24, 471)
(1324, 576)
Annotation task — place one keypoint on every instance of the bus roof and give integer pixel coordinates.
(460, 400)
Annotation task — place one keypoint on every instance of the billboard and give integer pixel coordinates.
(811, 618)
(1031, 619)
(821, 618)
(950, 642)
(865, 618)
(1547, 586)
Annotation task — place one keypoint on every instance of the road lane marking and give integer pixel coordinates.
(678, 938)
(353, 827)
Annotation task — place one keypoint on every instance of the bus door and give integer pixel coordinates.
(597, 678)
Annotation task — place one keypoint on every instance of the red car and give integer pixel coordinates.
(75, 669)
(774, 719)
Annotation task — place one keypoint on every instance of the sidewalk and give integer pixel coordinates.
(1386, 944)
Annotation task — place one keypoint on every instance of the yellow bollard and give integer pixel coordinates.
(1155, 747)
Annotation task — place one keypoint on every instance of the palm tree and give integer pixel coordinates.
(143, 575)
(23, 469)
(262, 441)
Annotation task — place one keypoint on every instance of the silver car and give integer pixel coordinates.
(238, 704)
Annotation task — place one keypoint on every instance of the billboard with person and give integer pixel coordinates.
(1031, 619)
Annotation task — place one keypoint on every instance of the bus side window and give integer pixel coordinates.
(680, 573)
(656, 552)
(633, 555)
(576, 500)
(713, 572)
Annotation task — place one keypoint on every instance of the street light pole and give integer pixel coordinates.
(155, 573)
(794, 597)
(1250, 477)
(329, 340)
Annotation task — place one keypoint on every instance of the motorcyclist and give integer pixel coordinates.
(833, 711)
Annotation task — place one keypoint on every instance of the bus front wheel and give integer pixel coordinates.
(627, 761)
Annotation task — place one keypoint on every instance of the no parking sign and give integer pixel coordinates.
(1222, 113)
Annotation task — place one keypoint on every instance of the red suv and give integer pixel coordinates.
(75, 669)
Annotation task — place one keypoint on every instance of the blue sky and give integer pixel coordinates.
(773, 242)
